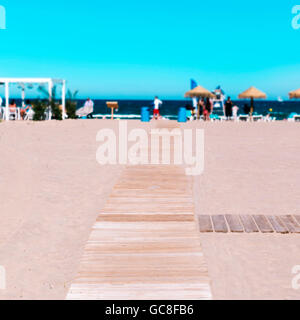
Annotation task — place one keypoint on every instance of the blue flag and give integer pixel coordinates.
(193, 84)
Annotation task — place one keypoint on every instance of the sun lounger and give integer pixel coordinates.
(258, 117)
(269, 119)
(297, 118)
(293, 117)
(244, 117)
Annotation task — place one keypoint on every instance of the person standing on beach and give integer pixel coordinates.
(195, 105)
(246, 109)
(228, 109)
(207, 110)
(201, 107)
(89, 107)
(157, 103)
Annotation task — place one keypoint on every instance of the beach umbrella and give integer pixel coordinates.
(199, 92)
(295, 94)
(252, 93)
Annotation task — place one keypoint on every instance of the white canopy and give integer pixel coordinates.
(22, 81)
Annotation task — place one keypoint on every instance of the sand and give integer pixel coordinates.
(251, 168)
(52, 190)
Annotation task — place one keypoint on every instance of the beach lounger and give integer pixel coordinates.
(258, 117)
(269, 119)
(294, 117)
(244, 118)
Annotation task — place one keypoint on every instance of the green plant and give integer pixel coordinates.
(71, 104)
(39, 108)
(53, 103)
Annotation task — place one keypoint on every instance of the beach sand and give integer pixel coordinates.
(250, 168)
(52, 190)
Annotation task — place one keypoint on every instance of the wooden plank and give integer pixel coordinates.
(147, 245)
(150, 217)
(297, 218)
(290, 223)
(263, 224)
(277, 224)
(234, 223)
(205, 224)
(248, 223)
(219, 224)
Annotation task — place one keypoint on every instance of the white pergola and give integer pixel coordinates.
(22, 81)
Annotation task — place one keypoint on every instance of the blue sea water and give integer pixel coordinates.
(169, 109)
(131, 109)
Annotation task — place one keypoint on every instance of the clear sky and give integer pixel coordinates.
(137, 49)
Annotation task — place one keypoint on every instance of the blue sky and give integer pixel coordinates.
(138, 49)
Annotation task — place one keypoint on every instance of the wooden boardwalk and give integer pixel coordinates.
(145, 243)
(249, 224)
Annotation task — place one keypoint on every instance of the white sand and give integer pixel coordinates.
(52, 190)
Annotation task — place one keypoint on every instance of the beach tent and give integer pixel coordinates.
(22, 81)
(199, 92)
(295, 94)
(252, 93)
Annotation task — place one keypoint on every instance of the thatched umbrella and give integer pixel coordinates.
(199, 92)
(295, 94)
(252, 93)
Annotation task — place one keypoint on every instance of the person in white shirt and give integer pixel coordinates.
(157, 103)
(195, 105)
(89, 108)
(235, 110)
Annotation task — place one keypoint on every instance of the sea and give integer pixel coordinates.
(131, 109)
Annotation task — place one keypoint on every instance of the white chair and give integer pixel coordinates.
(13, 113)
(29, 115)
